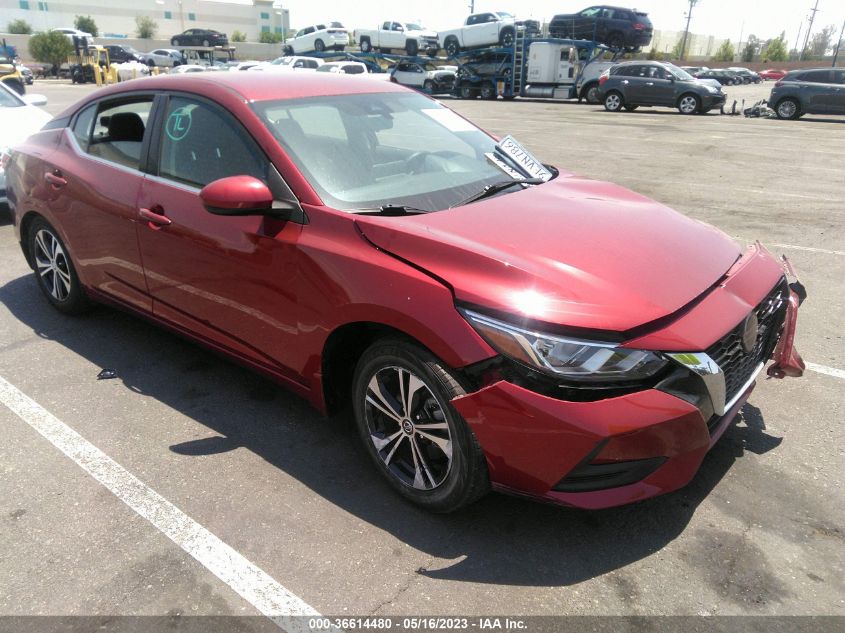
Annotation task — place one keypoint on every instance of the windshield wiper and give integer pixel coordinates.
(390, 210)
(496, 187)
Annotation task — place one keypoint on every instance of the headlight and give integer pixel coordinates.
(575, 359)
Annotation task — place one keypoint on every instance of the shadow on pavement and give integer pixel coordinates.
(503, 540)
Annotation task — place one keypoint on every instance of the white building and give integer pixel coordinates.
(116, 18)
(698, 46)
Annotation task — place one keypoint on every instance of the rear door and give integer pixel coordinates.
(228, 279)
(97, 178)
(817, 92)
(838, 96)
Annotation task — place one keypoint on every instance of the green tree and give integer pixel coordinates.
(677, 53)
(86, 23)
(725, 53)
(146, 27)
(238, 36)
(775, 50)
(820, 42)
(752, 47)
(268, 37)
(19, 27)
(50, 48)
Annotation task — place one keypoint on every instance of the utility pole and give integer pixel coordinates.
(472, 6)
(838, 44)
(812, 18)
(692, 3)
(798, 38)
(741, 33)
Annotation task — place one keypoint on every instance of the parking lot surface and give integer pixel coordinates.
(758, 531)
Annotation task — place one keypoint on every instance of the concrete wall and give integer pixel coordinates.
(117, 17)
(245, 50)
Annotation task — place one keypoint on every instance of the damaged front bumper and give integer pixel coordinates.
(631, 447)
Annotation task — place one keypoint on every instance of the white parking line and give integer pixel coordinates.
(250, 582)
(830, 371)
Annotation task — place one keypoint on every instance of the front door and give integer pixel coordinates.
(228, 279)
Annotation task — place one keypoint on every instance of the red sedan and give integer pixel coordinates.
(772, 74)
(528, 331)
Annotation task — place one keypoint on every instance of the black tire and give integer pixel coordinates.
(488, 90)
(613, 101)
(788, 108)
(689, 103)
(174, 41)
(151, 63)
(466, 91)
(319, 46)
(506, 37)
(288, 50)
(434, 485)
(206, 43)
(66, 295)
(630, 108)
(412, 47)
(590, 93)
(451, 46)
(366, 46)
(428, 86)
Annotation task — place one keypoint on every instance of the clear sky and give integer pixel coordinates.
(723, 18)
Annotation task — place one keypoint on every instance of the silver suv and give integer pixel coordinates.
(809, 91)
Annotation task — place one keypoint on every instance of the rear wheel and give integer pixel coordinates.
(54, 270)
(613, 101)
(288, 50)
(451, 46)
(412, 47)
(788, 109)
(615, 40)
(206, 43)
(418, 441)
(466, 91)
(689, 104)
(174, 42)
(366, 47)
(428, 86)
(488, 90)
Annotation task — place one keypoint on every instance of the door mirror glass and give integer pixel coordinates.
(237, 195)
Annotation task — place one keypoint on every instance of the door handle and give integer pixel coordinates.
(55, 179)
(649, 83)
(154, 220)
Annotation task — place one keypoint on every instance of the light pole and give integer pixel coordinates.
(838, 44)
(692, 3)
(812, 18)
(472, 6)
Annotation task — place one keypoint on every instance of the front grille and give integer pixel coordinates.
(734, 361)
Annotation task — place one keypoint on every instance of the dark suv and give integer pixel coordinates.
(200, 37)
(809, 91)
(617, 27)
(119, 53)
(643, 83)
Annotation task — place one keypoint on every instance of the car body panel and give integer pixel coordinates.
(16, 124)
(816, 90)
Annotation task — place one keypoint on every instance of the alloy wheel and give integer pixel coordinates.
(787, 109)
(408, 428)
(613, 102)
(688, 104)
(52, 265)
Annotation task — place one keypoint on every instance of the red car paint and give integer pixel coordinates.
(273, 294)
(772, 74)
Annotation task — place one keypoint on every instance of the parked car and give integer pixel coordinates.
(188, 68)
(28, 76)
(71, 33)
(348, 68)
(200, 37)
(425, 76)
(20, 117)
(392, 35)
(11, 74)
(630, 85)
(243, 65)
(617, 27)
(166, 57)
(289, 63)
(809, 91)
(694, 70)
(483, 29)
(119, 53)
(771, 73)
(552, 336)
(320, 37)
(747, 76)
(724, 77)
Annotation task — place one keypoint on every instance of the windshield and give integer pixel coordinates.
(680, 73)
(367, 150)
(503, 14)
(8, 100)
(413, 27)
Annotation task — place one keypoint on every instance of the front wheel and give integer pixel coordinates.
(418, 441)
(206, 43)
(467, 91)
(54, 270)
(613, 101)
(689, 104)
(428, 86)
(506, 38)
(319, 46)
(488, 90)
(174, 42)
(590, 93)
(366, 47)
(288, 50)
(412, 47)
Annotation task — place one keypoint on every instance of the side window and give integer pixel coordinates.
(201, 144)
(592, 12)
(839, 76)
(472, 20)
(817, 76)
(385, 26)
(119, 131)
(82, 127)
(607, 14)
(353, 70)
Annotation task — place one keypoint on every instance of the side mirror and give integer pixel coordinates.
(237, 195)
(35, 99)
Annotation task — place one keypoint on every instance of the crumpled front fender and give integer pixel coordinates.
(787, 360)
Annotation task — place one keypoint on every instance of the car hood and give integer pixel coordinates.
(571, 252)
(16, 124)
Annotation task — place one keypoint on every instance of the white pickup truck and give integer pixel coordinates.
(407, 36)
(483, 29)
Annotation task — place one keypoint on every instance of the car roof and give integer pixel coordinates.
(255, 86)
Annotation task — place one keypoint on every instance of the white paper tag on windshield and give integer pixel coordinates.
(449, 120)
(504, 166)
(522, 159)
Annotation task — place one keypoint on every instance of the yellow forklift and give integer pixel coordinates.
(89, 63)
(10, 72)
